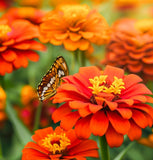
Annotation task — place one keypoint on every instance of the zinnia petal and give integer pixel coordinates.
(99, 123)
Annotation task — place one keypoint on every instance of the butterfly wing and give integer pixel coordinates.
(50, 82)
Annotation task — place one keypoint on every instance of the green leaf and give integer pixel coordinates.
(23, 133)
(121, 154)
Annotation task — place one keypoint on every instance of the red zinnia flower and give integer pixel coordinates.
(104, 103)
(58, 144)
(17, 45)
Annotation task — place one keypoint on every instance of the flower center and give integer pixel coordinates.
(99, 85)
(4, 30)
(74, 13)
(55, 144)
(145, 25)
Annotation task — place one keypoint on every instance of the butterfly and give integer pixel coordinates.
(51, 81)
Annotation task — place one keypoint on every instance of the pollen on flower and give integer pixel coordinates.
(4, 30)
(100, 85)
(55, 143)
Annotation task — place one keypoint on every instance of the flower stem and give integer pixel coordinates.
(37, 117)
(104, 150)
(2, 82)
(82, 59)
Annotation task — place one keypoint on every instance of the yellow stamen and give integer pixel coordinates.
(99, 85)
(4, 30)
(96, 82)
(56, 143)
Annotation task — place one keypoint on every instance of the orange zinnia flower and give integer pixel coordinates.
(132, 48)
(17, 45)
(58, 144)
(104, 103)
(31, 14)
(147, 141)
(30, 103)
(74, 26)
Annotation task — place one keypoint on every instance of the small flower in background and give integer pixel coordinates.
(125, 5)
(31, 14)
(17, 45)
(30, 103)
(104, 103)
(56, 3)
(3, 116)
(147, 141)
(132, 48)
(58, 144)
(74, 26)
(30, 3)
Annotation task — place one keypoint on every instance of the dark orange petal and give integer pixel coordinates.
(113, 71)
(139, 118)
(127, 80)
(54, 41)
(125, 112)
(61, 36)
(120, 124)
(135, 131)
(94, 108)
(20, 61)
(74, 36)
(70, 45)
(9, 55)
(5, 67)
(148, 60)
(32, 145)
(69, 120)
(83, 44)
(31, 55)
(138, 89)
(86, 35)
(112, 105)
(78, 104)
(82, 127)
(84, 111)
(2, 48)
(61, 112)
(41, 133)
(99, 123)
(113, 138)
(129, 102)
(85, 148)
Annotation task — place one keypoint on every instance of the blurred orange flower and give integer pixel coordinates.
(17, 45)
(147, 141)
(56, 3)
(131, 47)
(74, 26)
(104, 103)
(124, 5)
(31, 14)
(30, 103)
(58, 144)
(2, 106)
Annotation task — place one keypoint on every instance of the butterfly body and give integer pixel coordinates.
(51, 81)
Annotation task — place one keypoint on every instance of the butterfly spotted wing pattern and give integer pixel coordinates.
(51, 81)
